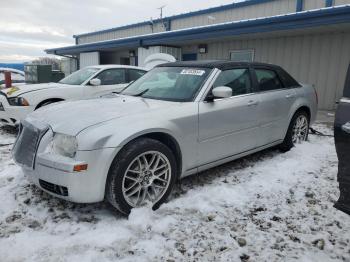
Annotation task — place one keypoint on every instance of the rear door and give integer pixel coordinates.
(276, 101)
(228, 126)
(112, 80)
(342, 143)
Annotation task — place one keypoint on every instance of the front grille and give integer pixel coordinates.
(28, 139)
(56, 189)
(1, 107)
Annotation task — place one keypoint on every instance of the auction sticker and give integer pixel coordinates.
(194, 72)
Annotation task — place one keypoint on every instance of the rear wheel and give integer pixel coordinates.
(298, 131)
(143, 172)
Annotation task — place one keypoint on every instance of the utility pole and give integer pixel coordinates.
(161, 11)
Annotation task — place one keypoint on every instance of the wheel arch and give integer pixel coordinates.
(53, 100)
(163, 137)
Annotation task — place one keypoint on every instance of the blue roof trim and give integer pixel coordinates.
(190, 14)
(333, 15)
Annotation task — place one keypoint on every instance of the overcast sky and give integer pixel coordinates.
(27, 27)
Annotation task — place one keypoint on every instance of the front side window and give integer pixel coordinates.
(267, 80)
(237, 79)
(135, 74)
(80, 76)
(112, 76)
(169, 83)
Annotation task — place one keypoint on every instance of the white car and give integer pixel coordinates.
(93, 81)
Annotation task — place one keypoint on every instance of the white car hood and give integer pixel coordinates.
(73, 117)
(21, 89)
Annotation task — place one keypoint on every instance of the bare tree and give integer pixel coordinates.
(48, 61)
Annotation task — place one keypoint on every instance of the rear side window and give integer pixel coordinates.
(267, 80)
(112, 77)
(135, 74)
(237, 79)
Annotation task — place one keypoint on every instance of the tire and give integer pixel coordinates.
(289, 140)
(127, 174)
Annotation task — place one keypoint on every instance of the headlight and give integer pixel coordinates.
(64, 145)
(18, 101)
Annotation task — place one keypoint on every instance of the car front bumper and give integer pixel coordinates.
(54, 174)
(11, 115)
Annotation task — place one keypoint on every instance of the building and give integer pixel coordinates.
(309, 38)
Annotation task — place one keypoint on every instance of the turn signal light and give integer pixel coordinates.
(79, 168)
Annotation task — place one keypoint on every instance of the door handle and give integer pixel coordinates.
(346, 127)
(289, 96)
(253, 103)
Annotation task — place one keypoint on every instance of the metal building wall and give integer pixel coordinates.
(319, 59)
(341, 2)
(313, 4)
(89, 59)
(247, 12)
(134, 31)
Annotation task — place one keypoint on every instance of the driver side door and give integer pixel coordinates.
(112, 80)
(228, 126)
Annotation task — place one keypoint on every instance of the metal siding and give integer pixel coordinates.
(341, 2)
(320, 59)
(89, 59)
(314, 4)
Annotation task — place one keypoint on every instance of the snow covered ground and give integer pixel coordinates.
(266, 207)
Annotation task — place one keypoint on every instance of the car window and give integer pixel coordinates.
(79, 77)
(237, 79)
(112, 76)
(267, 80)
(135, 74)
(169, 83)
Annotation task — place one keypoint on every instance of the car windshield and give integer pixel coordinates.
(169, 83)
(79, 77)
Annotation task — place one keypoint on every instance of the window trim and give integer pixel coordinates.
(251, 91)
(257, 83)
(107, 69)
(242, 50)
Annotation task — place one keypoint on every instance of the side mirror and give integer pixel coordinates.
(95, 82)
(222, 92)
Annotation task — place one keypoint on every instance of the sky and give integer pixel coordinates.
(27, 28)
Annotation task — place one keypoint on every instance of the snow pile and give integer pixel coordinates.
(266, 207)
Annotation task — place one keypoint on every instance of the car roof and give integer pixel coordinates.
(220, 64)
(117, 66)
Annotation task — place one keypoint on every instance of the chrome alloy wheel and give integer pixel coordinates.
(300, 129)
(146, 179)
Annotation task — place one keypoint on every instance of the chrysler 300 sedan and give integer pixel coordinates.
(178, 119)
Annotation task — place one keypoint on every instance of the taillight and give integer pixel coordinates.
(316, 95)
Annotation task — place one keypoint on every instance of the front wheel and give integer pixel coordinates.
(298, 131)
(143, 172)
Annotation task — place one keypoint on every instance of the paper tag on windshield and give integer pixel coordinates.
(193, 72)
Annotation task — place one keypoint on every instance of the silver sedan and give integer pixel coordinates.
(176, 120)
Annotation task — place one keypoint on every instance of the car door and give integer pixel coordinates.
(342, 144)
(275, 104)
(228, 126)
(112, 80)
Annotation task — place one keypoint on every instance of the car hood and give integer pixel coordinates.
(73, 117)
(22, 89)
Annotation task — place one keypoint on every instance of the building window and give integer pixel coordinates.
(242, 55)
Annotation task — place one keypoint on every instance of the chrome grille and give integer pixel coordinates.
(26, 145)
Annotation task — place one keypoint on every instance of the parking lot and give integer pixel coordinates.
(265, 207)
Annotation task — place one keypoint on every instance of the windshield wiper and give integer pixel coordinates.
(142, 92)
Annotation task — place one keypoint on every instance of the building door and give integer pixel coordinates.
(189, 57)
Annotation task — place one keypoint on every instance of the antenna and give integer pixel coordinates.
(161, 11)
